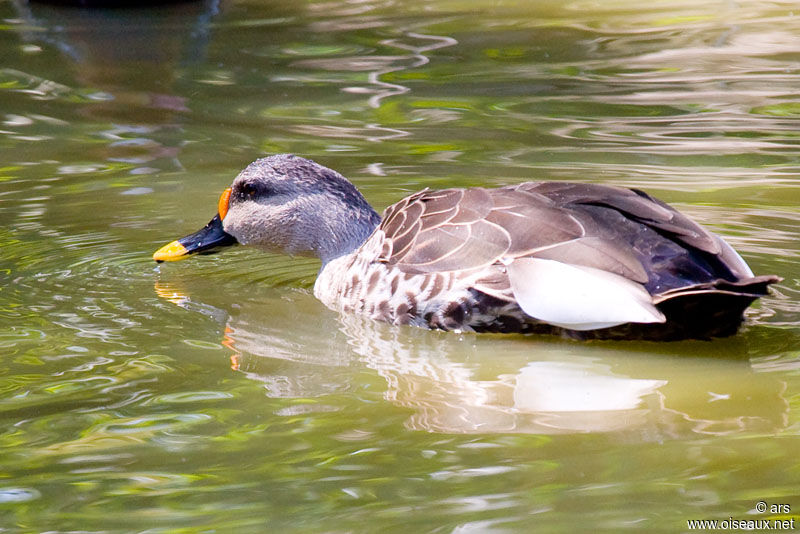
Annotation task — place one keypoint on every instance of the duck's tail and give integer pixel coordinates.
(711, 309)
(700, 311)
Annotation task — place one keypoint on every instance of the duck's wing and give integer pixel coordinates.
(651, 213)
(574, 255)
(609, 228)
(466, 229)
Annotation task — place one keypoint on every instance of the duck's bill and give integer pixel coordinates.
(206, 241)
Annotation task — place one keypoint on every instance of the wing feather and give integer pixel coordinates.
(482, 245)
(444, 200)
(601, 227)
(533, 227)
(597, 253)
(474, 206)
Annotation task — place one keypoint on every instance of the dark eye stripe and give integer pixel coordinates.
(250, 190)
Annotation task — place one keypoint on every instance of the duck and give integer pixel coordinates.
(578, 260)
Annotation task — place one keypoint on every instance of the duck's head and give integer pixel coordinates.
(287, 204)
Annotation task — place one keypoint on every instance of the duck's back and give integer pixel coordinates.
(549, 256)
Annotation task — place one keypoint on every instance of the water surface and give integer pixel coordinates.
(217, 394)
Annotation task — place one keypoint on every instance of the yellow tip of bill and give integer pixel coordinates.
(171, 252)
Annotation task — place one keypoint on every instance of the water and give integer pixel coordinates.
(217, 395)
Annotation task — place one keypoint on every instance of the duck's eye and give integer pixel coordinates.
(248, 190)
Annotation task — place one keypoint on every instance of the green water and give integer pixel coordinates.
(217, 395)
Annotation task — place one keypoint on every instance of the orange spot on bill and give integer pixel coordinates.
(222, 205)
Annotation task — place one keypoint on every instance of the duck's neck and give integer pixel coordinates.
(345, 230)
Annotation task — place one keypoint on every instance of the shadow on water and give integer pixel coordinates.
(478, 384)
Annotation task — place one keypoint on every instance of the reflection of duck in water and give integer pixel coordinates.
(489, 384)
(583, 260)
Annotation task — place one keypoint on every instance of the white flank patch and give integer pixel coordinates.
(577, 297)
